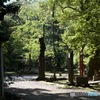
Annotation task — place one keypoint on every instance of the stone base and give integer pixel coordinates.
(82, 81)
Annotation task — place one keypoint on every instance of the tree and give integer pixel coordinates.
(42, 60)
(53, 32)
(30, 31)
(81, 23)
(3, 10)
(80, 26)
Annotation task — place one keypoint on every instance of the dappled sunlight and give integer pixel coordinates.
(44, 91)
(49, 49)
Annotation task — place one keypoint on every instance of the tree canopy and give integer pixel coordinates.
(70, 23)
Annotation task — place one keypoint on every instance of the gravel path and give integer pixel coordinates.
(40, 90)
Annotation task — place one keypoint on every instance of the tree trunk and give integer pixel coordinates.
(70, 67)
(1, 74)
(81, 62)
(58, 62)
(94, 64)
(30, 62)
(41, 60)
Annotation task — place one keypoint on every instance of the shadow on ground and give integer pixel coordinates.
(41, 94)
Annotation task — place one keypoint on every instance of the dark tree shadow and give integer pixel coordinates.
(42, 94)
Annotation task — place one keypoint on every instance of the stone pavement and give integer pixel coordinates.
(40, 90)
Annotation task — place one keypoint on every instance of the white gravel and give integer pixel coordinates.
(40, 90)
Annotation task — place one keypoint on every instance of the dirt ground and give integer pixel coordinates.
(41, 90)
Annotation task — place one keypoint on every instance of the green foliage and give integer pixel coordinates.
(28, 32)
(76, 24)
(81, 23)
(5, 26)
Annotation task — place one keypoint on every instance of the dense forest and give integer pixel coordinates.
(58, 25)
(49, 35)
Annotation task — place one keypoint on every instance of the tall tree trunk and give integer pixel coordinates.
(1, 74)
(42, 60)
(81, 62)
(54, 49)
(70, 67)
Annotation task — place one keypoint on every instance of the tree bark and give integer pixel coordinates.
(81, 62)
(42, 60)
(70, 67)
(1, 74)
